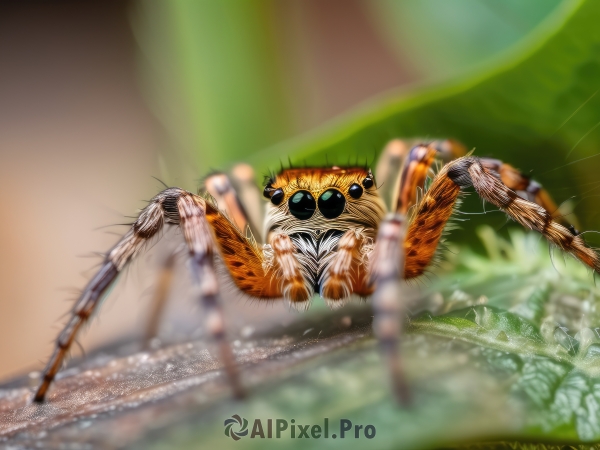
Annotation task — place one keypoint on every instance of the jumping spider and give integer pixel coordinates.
(326, 230)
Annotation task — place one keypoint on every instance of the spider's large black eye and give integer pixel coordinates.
(368, 182)
(302, 205)
(332, 203)
(277, 196)
(355, 191)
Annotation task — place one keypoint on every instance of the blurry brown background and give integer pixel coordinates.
(78, 148)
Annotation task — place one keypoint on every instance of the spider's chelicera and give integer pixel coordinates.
(326, 231)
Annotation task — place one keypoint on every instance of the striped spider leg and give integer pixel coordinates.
(408, 238)
(231, 194)
(203, 226)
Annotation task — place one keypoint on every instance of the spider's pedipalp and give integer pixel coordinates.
(294, 286)
(346, 274)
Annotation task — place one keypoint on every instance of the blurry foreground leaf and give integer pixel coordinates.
(504, 347)
(534, 106)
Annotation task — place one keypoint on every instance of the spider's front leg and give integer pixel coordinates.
(471, 171)
(387, 268)
(398, 256)
(403, 251)
(174, 206)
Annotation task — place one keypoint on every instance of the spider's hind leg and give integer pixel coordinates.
(173, 206)
(238, 197)
(159, 299)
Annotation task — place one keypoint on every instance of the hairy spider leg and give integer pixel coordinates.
(219, 186)
(427, 225)
(436, 207)
(425, 230)
(394, 258)
(398, 151)
(161, 208)
(197, 233)
(531, 189)
(412, 178)
(245, 262)
(233, 205)
(243, 181)
(193, 214)
(469, 171)
(159, 299)
(386, 273)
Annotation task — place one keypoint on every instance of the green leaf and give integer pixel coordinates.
(212, 75)
(447, 38)
(533, 106)
(477, 372)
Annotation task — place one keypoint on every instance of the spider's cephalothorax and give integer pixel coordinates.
(314, 208)
(326, 232)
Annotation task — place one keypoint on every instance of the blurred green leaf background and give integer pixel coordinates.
(261, 81)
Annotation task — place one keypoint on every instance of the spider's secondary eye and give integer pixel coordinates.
(302, 205)
(267, 191)
(332, 203)
(355, 191)
(277, 196)
(368, 182)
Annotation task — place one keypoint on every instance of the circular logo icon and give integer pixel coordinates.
(236, 435)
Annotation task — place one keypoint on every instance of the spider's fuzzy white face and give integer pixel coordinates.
(314, 207)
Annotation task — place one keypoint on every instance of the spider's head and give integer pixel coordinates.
(318, 199)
